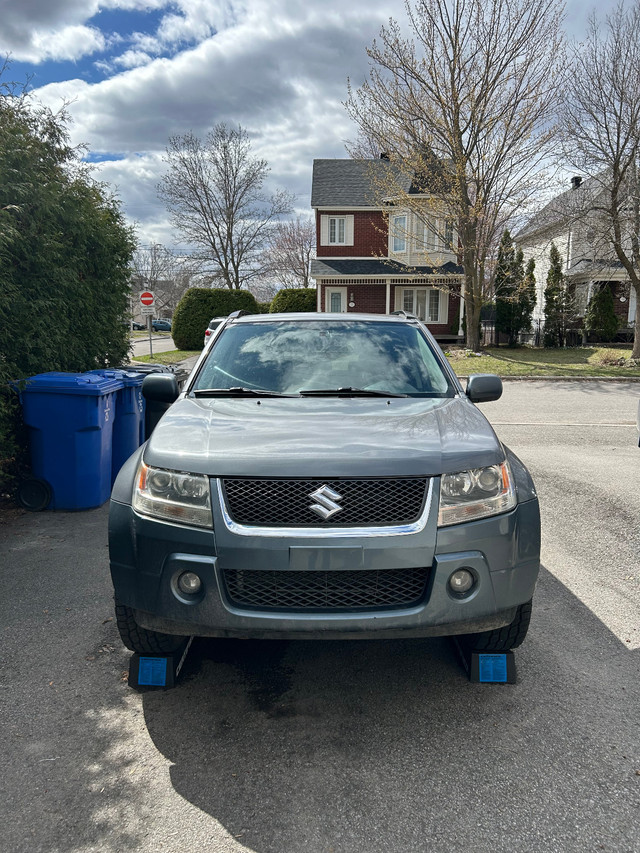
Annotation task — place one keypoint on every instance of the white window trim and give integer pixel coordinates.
(402, 235)
(443, 303)
(325, 229)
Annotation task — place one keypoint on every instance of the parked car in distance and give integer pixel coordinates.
(138, 327)
(213, 325)
(323, 476)
(161, 325)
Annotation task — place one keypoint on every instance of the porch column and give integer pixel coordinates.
(460, 329)
(388, 298)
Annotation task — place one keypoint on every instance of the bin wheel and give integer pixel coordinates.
(34, 494)
(141, 640)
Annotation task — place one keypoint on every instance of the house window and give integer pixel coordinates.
(427, 303)
(336, 230)
(430, 235)
(448, 234)
(399, 233)
(434, 306)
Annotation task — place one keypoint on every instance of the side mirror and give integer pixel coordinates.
(483, 387)
(160, 388)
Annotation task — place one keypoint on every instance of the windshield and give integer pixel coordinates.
(291, 357)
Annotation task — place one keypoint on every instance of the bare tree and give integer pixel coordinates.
(214, 193)
(463, 107)
(156, 268)
(602, 137)
(290, 248)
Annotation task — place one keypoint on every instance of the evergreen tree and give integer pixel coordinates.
(505, 285)
(515, 291)
(555, 302)
(526, 294)
(64, 258)
(601, 319)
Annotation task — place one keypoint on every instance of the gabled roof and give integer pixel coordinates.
(562, 209)
(350, 183)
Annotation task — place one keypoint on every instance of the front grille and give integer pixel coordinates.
(363, 502)
(325, 591)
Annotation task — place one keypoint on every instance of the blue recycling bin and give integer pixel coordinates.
(70, 421)
(128, 425)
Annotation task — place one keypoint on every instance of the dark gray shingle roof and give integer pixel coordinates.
(350, 183)
(376, 268)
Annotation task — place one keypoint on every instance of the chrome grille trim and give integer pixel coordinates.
(323, 532)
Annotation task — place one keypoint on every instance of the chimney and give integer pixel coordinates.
(384, 155)
(575, 182)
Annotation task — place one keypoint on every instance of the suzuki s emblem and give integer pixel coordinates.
(326, 505)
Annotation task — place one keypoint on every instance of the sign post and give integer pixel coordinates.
(146, 307)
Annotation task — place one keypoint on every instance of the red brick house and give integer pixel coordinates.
(382, 257)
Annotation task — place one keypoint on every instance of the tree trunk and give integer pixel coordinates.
(635, 352)
(472, 313)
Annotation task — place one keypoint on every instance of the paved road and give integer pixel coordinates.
(343, 747)
(160, 342)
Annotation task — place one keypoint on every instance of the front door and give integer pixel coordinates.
(336, 300)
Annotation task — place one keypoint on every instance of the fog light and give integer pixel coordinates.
(189, 583)
(461, 581)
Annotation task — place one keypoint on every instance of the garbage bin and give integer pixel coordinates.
(69, 417)
(154, 410)
(128, 424)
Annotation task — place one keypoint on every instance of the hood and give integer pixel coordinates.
(323, 437)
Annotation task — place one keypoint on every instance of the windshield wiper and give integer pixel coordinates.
(350, 392)
(238, 391)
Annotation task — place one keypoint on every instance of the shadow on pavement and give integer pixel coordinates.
(386, 746)
(69, 780)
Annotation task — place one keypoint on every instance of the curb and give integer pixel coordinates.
(566, 378)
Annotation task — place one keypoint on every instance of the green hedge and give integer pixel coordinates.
(294, 299)
(199, 306)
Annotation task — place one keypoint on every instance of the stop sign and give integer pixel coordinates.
(146, 297)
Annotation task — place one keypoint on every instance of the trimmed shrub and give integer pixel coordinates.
(294, 299)
(199, 306)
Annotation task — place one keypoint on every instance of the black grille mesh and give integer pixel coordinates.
(364, 502)
(311, 590)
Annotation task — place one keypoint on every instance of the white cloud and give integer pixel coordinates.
(277, 68)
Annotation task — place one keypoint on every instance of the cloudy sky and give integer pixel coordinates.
(138, 71)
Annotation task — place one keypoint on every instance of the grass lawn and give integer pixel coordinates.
(171, 357)
(526, 361)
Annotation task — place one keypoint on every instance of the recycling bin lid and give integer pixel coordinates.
(86, 384)
(127, 377)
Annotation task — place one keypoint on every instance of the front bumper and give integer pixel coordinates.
(148, 555)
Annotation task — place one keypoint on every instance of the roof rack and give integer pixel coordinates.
(240, 313)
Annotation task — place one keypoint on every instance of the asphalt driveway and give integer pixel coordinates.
(343, 747)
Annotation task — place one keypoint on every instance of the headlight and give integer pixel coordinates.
(476, 494)
(173, 495)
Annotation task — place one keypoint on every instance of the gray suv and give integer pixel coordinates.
(323, 476)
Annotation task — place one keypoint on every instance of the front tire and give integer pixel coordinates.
(503, 639)
(141, 640)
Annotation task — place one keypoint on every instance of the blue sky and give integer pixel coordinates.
(134, 72)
